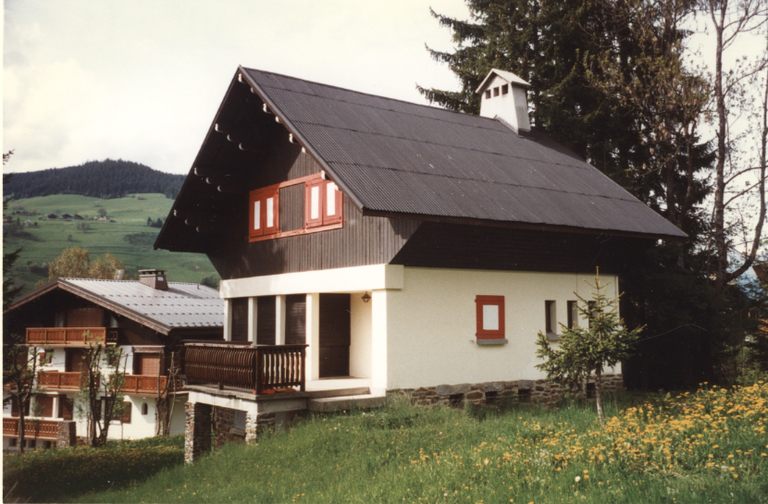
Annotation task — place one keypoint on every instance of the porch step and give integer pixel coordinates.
(354, 391)
(360, 401)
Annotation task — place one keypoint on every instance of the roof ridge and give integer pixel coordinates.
(431, 107)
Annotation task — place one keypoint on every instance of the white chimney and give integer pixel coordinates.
(502, 97)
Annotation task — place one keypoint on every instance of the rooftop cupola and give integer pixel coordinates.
(502, 96)
(154, 278)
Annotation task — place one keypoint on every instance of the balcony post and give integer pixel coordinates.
(252, 318)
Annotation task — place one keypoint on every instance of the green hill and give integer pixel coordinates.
(109, 178)
(43, 226)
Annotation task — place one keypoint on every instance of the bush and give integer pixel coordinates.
(53, 475)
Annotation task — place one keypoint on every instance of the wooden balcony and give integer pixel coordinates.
(70, 336)
(143, 384)
(264, 369)
(58, 380)
(33, 428)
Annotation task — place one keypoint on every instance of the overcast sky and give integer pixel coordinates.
(141, 79)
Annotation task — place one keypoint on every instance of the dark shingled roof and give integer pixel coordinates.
(395, 156)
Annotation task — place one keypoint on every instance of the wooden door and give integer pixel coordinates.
(66, 407)
(44, 407)
(334, 335)
(146, 364)
(295, 319)
(74, 359)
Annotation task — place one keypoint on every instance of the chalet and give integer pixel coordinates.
(369, 245)
(148, 318)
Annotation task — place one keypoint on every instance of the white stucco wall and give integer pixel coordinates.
(431, 325)
(360, 340)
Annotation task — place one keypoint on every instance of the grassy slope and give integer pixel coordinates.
(406, 454)
(130, 214)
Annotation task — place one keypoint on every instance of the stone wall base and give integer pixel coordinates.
(535, 391)
(67, 435)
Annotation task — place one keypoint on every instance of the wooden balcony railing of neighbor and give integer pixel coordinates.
(70, 336)
(144, 384)
(33, 429)
(59, 380)
(262, 368)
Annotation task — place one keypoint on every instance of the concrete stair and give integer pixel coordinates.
(346, 402)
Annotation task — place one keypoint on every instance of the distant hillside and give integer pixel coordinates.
(101, 179)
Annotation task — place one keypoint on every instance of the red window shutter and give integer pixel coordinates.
(332, 190)
(313, 203)
(491, 328)
(263, 211)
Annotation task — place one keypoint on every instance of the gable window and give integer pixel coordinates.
(496, 91)
(573, 315)
(550, 317)
(323, 203)
(505, 89)
(264, 211)
(489, 318)
(488, 93)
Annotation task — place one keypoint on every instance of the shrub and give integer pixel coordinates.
(55, 474)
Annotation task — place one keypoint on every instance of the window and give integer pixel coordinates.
(573, 315)
(496, 91)
(144, 408)
(490, 317)
(505, 89)
(488, 93)
(323, 203)
(125, 414)
(264, 211)
(550, 315)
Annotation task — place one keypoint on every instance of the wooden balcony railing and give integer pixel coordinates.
(58, 380)
(70, 336)
(144, 384)
(33, 428)
(261, 368)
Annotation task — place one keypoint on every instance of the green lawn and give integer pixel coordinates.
(128, 238)
(710, 446)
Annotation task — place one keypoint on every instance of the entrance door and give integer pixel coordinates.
(334, 335)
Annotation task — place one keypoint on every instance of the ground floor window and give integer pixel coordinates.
(489, 317)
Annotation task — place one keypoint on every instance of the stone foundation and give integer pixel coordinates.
(197, 431)
(66, 436)
(536, 391)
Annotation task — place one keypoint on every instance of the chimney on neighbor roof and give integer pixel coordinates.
(503, 97)
(154, 278)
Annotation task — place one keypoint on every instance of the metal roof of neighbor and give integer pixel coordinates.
(183, 305)
(399, 157)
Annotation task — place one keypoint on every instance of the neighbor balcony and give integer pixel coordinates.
(33, 428)
(71, 336)
(144, 384)
(261, 369)
(59, 380)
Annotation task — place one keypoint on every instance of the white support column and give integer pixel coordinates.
(227, 320)
(252, 318)
(313, 336)
(55, 406)
(379, 341)
(279, 320)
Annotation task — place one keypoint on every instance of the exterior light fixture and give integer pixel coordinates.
(366, 297)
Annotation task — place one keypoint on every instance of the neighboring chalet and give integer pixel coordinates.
(407, 247)
(148, 318)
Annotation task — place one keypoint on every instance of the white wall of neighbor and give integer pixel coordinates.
(431, 325)
(360, 341)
